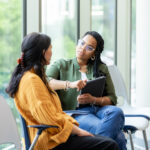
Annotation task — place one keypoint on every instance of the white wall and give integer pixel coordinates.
(33, 16)
(123, 39)
(143, 53)
(85, 16)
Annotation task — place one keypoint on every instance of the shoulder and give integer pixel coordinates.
(103, 68)
(30, 77)
(29, 82)
(62, 63)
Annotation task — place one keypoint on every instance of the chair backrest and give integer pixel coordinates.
(118, 82)
(25, 136)
(8, 128)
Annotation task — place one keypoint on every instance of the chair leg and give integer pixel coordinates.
(131, 141)
(34, 142)
(145, 139)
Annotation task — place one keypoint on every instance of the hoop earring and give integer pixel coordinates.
(93, 57)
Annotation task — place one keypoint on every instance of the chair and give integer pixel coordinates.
(26, 139)
(134, 117)
(8, 128)
(9, 132)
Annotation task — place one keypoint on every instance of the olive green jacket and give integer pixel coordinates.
(69, 70)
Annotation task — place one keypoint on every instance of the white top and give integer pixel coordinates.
(83, 76)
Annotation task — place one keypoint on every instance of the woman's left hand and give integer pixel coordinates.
(85, 99)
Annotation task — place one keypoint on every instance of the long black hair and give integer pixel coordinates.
(98, 51)
(33, 47)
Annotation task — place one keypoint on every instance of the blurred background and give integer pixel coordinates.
(124, 25)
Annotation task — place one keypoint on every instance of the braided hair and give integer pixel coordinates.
(98, 51)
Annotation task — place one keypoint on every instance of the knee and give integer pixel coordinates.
(115, 113)
(119, 116)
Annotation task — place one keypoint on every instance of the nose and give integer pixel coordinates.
(83, 47)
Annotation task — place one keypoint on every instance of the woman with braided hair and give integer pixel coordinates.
(39, 104)
(67, 77)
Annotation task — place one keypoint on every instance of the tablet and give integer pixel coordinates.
(76, 112)
(95, 87)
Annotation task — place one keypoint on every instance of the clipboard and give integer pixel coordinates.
(94, 87)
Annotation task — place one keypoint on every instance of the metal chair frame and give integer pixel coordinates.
(9, 131)
(121, 90)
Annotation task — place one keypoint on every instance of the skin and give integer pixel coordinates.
(75, 130)
(83, 56)
(48, 54)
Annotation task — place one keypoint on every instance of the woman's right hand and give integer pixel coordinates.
(80, 132)
(84, 133)
(78, 84)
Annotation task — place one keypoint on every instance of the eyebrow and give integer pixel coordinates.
(89, 44)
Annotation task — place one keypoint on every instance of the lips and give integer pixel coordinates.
(80, 53)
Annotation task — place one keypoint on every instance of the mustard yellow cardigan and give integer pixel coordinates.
(38, 106)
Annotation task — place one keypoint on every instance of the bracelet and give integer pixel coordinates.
(67, 85)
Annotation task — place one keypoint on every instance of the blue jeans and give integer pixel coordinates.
(106, 121)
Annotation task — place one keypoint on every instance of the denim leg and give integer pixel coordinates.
(112, 122)
(121, 140)
(88, 122)
(106, 121)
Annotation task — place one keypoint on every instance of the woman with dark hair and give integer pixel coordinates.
(70, 76)
(39, 104)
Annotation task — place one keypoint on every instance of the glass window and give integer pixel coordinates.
(133, 54)
(60, 23)
(103, 21)
(10, 39)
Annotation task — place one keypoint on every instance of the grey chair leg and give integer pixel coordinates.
(131, 141)
(34, 142)
(145, 139)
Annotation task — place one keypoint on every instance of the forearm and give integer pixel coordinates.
(75, 130)
(80, 132)
(102, 101)
(58, 84)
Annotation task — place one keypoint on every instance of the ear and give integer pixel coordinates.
(43, 51)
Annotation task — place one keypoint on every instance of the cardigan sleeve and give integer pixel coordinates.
(45, 108)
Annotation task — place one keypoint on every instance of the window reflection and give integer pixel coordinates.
(133, 54)
(59, 21)
(10, 40)
(103, 21)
